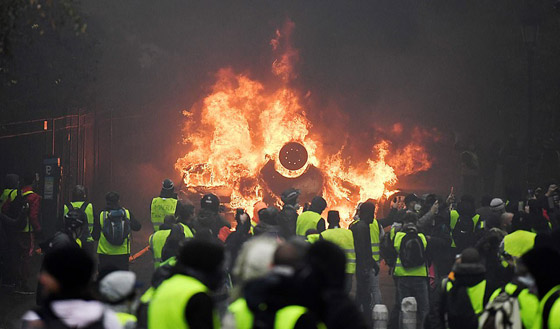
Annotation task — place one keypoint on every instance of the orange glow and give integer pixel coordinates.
(242, 124)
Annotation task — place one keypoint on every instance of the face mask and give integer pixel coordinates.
(417, 207)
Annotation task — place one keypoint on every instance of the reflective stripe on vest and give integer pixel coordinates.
(345, 240)
(157, 241)
(160, 208)
(127, 320)
(287, 317)
(167, 308)
(374, 237)
(28, 227)
(308, 220)
(476, 295)
(454, 217)
(89, 214)
(414, 271)
(243, 316)
(104, 247)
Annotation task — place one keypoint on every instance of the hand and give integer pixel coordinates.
(435, 207)
(394, 204)
(450, 199)
(551, 189)
(243, 218)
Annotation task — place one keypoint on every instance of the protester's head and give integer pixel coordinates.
(290, 196)
(210, 202)
(411, 200)
(169, 220)
(203, 260)
(429, 200)
(410, 218)
(11, 181)
(28, 178)
(466, 209)
(79, 193)
(118, 287)
(75, 223)
(66, 273)
(328, 265)
(367, 212)
(269, 215)
(290, 254)
(173, 242)
(498, 206)
(506, 220)
(186, 211)
(467, 198)
(470, 256)
(255, 258)
(112, 198)
(318, 205)
(544, 266)
(333, 218)
(485, 200)
(167, 185)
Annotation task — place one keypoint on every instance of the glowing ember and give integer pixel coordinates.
(242, 125)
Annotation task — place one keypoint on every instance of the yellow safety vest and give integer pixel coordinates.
(528, 303)
(167, 307)
(308, 220)
(104, 247)
(454, 217)
(374, 237)
(414, 271)
(7, 194)
(89, 215)
(287, 317)
(519, 242)
(342, 238)
(242, 314)
(127, 320)
(476, 295)
(553, 316)
(157, 241)
(160, 208)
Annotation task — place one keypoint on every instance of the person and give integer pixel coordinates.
(366, 245)
(185, 214)
(183, 300)
(485, 212)
(118, 291)
(411, 270)
(163, 205)
(11, 184)
(209, 222)
(465, 225)
(287, 219)
(465, 292)
(311, 219)
(544, 266)
(66, 279)
(344, 239)
(26, 237)
(157, 240)
(237, 238)
(79, 201)
(113, 231)
(324, 287)
(254, 261)
(268, 222)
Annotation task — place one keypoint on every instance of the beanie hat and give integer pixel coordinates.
(211, 202)
(497, 205)
(72, 267)
(117, 286)
(168, 184)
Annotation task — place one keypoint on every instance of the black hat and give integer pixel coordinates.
(268, 215)
(290, 196)
(318, 205)
(410, 198)
(211, 202)
(201, 255)
(168, 184)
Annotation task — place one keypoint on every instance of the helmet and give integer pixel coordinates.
(211, 202)
(290, 196)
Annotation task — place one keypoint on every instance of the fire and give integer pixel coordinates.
(242, 124)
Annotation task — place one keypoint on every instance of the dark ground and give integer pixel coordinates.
(13, 306)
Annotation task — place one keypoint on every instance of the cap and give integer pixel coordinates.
(117, 285)
(211, 202)
(290, 195)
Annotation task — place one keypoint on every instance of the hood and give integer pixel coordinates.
(469, 274)
(76, 313)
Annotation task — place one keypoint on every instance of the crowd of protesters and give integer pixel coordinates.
(492, 263)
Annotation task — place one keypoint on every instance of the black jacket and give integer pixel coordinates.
(287, 220)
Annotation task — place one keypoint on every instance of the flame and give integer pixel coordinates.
(242, 124)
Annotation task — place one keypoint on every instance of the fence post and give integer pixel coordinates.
(408, 313)
(380, 316)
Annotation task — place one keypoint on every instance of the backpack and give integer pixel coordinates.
(51, 321)
(388, 251)
(463, 233)
(78, 212)
(13, 209)
(116, 226)
(412, 253)
(502, 313)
